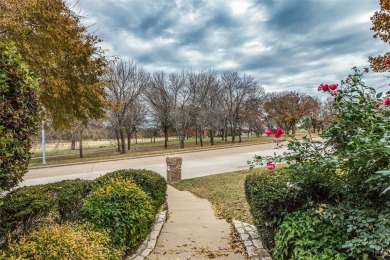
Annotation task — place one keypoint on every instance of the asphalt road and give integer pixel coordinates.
(195, 164)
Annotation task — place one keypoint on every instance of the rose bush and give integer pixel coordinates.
(350, 165)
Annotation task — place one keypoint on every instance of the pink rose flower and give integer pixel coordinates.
(268, 131)
(270, 165)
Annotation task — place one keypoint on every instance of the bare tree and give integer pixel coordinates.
(211, 113)
(161, 102)
(181, 117)
(236, 91)
(126, 82)
(135, 117)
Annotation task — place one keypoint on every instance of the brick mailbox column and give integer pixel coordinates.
(173, 169)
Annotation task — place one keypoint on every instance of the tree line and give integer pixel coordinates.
(221, 103)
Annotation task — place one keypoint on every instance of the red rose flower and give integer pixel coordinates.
(333, 86)
(387, 101)
(388, 61)
(279, 131)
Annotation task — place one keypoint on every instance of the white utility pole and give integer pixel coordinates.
(43, 144)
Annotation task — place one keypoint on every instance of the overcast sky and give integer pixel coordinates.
(284, 44)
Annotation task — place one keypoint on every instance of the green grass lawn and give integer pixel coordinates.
(225, 191)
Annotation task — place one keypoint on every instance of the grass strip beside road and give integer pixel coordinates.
(225, 192)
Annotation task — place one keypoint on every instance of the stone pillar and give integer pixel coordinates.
(173, 169)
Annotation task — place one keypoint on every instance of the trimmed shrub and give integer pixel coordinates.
(271, 197)
(63, 242)
(367, 230)
(306, 235)
(123, 209)
(71, 198)
(19, 111)
(25, 208)
(150, 182)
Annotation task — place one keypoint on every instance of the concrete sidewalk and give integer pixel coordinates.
(192, 231)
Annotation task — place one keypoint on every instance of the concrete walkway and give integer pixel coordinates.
(192, 231)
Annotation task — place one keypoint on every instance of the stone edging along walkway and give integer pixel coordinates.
(151, 240)
(250, 238)
(248, 234)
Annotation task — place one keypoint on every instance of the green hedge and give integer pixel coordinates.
(64, 241)
(271, 196)
(150, 182)
(24, 209)
(27, 207)
(123, 209)
(71, 198)
(307, 235)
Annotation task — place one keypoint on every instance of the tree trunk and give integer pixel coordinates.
(211, 137)
(201, 136)
(232, 129)
(196, 136)
(123, 140)
(181, 140)
(293, 129)
(128, 139)
(239, 134)
(73, 140)
(165, 138)
(223, 134)
(136, 136)
(117, 139)
(81, 144)
(226, 133)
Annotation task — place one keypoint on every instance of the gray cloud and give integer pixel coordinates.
(285, 45)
